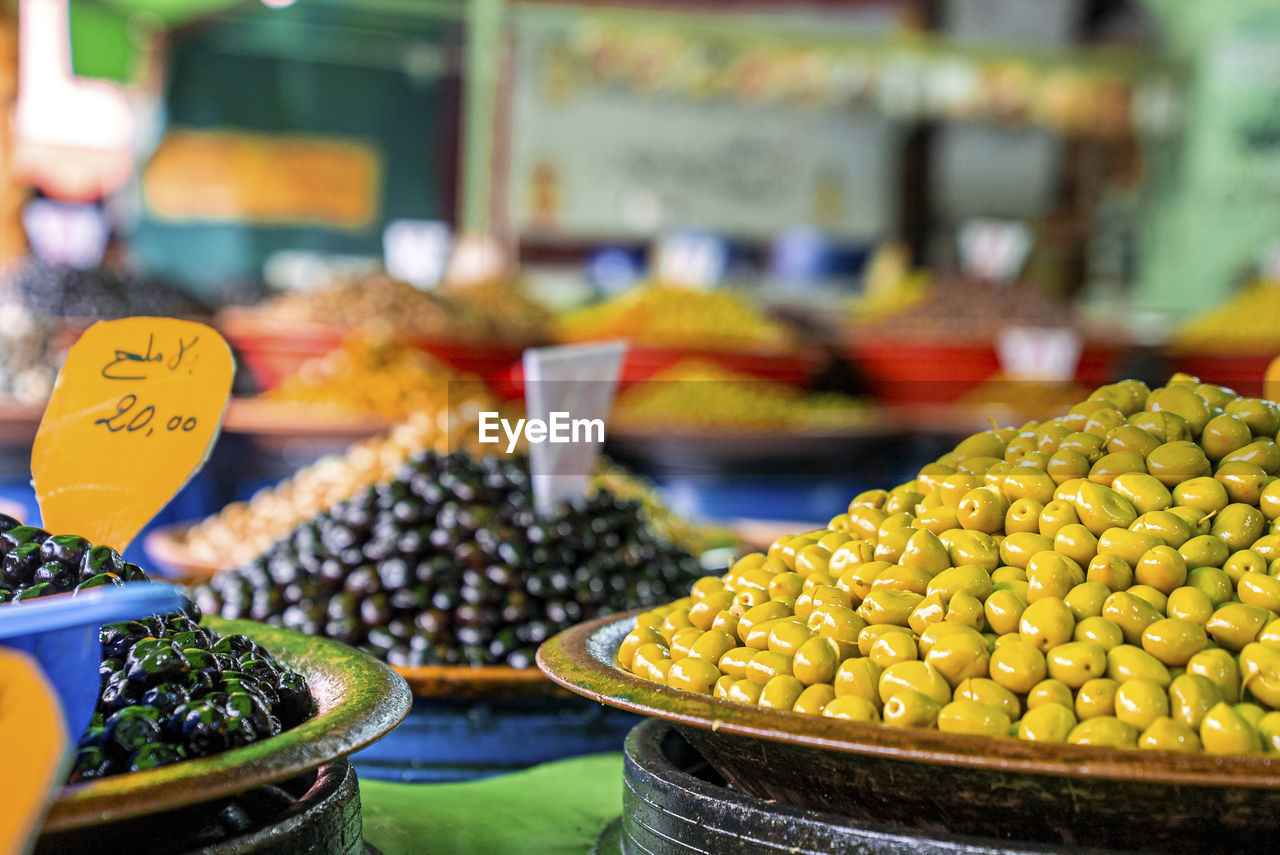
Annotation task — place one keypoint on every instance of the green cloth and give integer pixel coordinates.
(557, 808)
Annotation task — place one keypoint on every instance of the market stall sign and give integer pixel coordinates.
(134, 414)
(233, 176)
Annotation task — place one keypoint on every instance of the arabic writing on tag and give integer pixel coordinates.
(134, 366)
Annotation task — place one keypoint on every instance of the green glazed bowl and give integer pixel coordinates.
(358, 701)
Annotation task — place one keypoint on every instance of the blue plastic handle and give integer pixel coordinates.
(61, 633)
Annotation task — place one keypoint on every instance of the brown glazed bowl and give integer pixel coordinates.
(1061, 795)
(358, 701)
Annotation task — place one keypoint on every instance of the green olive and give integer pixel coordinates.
(1088, 445)
(903, 500)
(1127, 437)
(745, 692)
(1262, 452)
(1110, 466)
(1175, 462)
(1129, 545)
(1182, 401)
(909, 708)
(734, 662)
(1141, 702)
(1243, 482)
(858, 677)
(1225, 731)
(891, 648)
(1220, 668)
(1006, 573)
(1101, 508)
(1059, 513)
(1214, 395)
(1260, 668)
(988, 691)
(1128, 396)
(712, 645)
(1172, 529)
(973, 718)
(1017, 665)
(1239, 525)
(1233, 625)
(814, 699)
(1270, 634)
(884, 606)
(851, 708)
(1195, 518)
(781, 693)
(1223, 435)
(925, 551)
(916, 676)
(1104, 730)
(1213, 582)
(1047, 723)
(1050, 691)
(1048, 435)
(766, 665)
(1145, 492)
(1003, 611)
(1023, 515)
(1127, 662)
(1065, 465)
(985, 444)
(1085, 600)
(1203, 492)
(959, 657)
(1165, 427)
(1076, 542)
(1132, 614)
(1051, 574)
(1166, 734)
(1242, 563)
(1109, 569)
(1017, 549)
(1206, 550)
(1158, 600)
(973, 547)
(1259, 589)
(872, 633)
(1268, 501)
(1174, 640)
(1161, 567)
(694, 675)
(1268, 546)
(971, 578)
(837, 623)
(1077, 662)
(1046, 623)
(815, 661)
(1269, 730)
(1250, 712)
(964, 608)
(1257, 414)
(1096, 698)
(1190, 604)
(1026, 482)
(1101, 631)
(1190, 697)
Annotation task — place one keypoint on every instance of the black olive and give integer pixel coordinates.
(65, 548)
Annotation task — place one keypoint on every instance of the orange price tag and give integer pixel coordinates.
(133, 416)
(35, 748)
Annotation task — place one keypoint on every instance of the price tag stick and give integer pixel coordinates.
(577, 382)
(133, 415)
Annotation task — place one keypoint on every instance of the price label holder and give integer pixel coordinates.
(1039, 354)
(133, 415)
(577, 383)
(694, 260)
(994, 249)
(417, 251)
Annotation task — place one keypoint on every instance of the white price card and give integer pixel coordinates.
(572, 387)
(417, 251)
(66, 232)
(694, 260)
(1044, 354)
(994, 249)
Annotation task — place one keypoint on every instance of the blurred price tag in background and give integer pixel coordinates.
(994, 249)
(417, 251)
(695, 260)
(134, 414)
(1044, 354)
(66, 232)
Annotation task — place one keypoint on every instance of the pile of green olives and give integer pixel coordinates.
(1107, 577)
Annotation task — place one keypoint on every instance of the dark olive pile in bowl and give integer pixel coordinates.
(448, 564)
(169, 689)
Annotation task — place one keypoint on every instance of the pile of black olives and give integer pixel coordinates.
(60, 291)
(449, 564)
(169, 689)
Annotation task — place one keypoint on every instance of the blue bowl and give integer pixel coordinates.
(61, 634)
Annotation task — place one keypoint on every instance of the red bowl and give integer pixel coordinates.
(272, 352)
(1243, 372)
(915, 372)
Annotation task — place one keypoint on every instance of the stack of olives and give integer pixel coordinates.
(449, 564)
(170, 689)
(1108, 577)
